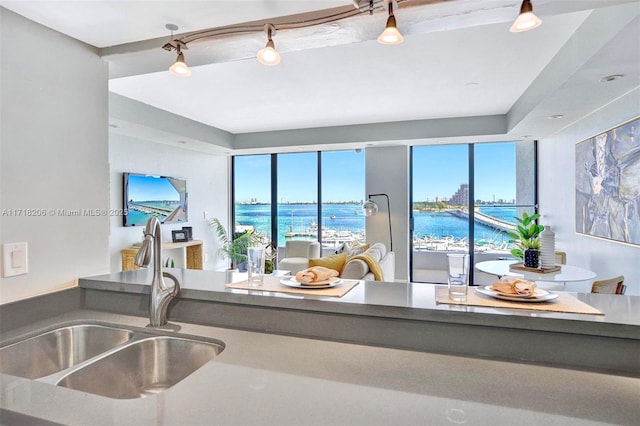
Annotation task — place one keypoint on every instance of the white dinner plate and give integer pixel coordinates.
(537, 292)
(292, 282)
(537, 298)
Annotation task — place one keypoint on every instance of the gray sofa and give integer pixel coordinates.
(359, 269)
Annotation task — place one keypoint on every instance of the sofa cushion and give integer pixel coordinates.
(355, 269)
(335, 262)
(372, 264)
(377, 250)
(356, 248)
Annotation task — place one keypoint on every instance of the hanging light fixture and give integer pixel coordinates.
(391, 35)
(526, 20)
(268, 55)
(180, 67)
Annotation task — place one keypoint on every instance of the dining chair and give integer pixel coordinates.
(609, 286)
(561, 258)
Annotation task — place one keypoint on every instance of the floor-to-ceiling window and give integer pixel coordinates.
(297, 187)
(464, 199)
(252, 194)
(314, 195)
(342, 189)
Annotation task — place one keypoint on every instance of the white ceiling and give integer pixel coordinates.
(458, 61)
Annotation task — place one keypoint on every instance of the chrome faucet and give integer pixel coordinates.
(161, 293)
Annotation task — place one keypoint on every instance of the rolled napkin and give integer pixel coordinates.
(513, 285)
(315, 274)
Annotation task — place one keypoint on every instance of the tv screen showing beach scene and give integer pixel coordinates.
(147, 196)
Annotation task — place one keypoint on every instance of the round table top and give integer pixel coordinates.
(566, 274)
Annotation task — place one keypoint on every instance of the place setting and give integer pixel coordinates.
(317, 280)
(317, 277)
(508, 292)
(517, 290)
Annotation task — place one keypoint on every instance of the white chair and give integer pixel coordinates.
(297, 255)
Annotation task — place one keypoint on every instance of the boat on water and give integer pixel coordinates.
(331, 238)
(450, 243)
(333, 216)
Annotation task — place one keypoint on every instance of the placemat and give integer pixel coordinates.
(273, 284)
(565, 302)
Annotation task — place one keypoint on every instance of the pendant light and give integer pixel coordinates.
(526, 20)
(391, 35)
(268, 55)
(180, 67)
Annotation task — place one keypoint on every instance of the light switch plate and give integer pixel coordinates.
(14, 259)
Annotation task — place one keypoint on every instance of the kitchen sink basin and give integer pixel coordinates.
(57, 350)
(142, 368)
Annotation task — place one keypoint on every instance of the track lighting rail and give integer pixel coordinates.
(258, 27)
(389, 36)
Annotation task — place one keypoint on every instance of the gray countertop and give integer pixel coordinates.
(392, 300)
(268, 379)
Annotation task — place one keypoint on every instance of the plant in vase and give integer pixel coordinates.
(271, 252)
(531, 253)
(527, 240)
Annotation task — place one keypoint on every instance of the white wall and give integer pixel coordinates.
(557, 196)
(387, 172)
(53, 98)
(207, 185)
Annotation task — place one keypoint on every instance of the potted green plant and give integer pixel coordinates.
(234, 249)
(527, 240)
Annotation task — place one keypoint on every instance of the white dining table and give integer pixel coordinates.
(567, 273)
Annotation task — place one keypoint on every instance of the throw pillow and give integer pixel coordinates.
(335, 262)
(356, 248)
(341, 249)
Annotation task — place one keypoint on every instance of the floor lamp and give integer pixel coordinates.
(370, 208)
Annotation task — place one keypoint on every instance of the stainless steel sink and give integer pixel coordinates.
(57, 350)
(142, 368)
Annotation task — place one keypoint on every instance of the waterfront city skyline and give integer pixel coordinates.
(438, 172)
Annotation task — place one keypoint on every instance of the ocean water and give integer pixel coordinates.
(138, 218)
(348, 217)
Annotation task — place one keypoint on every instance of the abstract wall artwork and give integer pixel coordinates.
(608, 184)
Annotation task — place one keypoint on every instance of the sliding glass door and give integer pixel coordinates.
(465, 199)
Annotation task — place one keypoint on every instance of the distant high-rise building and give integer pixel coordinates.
(461, 196)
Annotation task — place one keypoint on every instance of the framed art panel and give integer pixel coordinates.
(608, 184)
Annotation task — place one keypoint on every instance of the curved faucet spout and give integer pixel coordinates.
(161, 293)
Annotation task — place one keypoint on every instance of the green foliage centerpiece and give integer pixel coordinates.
(527, 239)
(235, 249)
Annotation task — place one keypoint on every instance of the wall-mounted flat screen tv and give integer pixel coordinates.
(146, 196)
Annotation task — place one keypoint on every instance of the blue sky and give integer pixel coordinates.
(438, 171)
(151, 188)
(342, 177)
